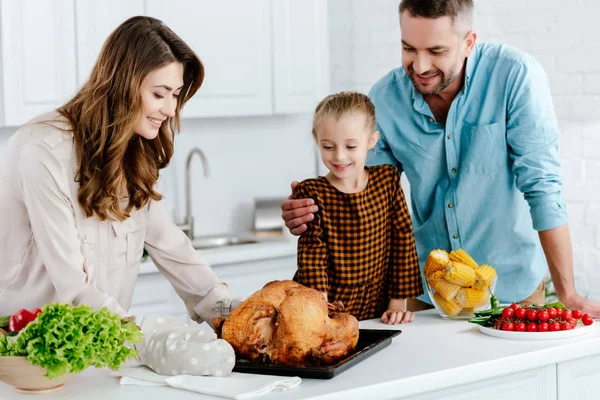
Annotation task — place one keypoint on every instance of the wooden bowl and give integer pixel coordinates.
(28, 378)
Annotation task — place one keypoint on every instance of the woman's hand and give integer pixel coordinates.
(297, 212)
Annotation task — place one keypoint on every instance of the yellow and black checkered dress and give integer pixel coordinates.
(360, 247)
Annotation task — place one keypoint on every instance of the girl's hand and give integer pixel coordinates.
(393, 317)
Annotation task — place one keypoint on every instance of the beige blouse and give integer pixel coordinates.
(49, 251)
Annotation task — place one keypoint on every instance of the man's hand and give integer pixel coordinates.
(296, 213)
(586, 306)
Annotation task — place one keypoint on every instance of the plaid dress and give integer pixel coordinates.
(360, 248)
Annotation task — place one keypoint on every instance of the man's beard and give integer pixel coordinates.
(446, 81)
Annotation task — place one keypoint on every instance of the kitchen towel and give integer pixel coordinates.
(235, 386)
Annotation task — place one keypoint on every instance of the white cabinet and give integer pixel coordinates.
(262, 57)
(233, 40)
(578, 379)
(95, 21)
(248, 277)
(300, 54)
(537, 384)
(38, 57)
(154, 294)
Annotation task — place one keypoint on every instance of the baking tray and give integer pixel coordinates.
(370, 341)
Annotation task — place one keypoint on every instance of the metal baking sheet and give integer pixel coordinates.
(370, 341)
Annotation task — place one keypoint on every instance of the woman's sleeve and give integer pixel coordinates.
(46, 193)
(312, 249)
(193, 278)
(404, 272)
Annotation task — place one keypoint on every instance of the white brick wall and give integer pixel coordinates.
(561, 35)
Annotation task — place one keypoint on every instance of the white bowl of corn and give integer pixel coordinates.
(457, 285)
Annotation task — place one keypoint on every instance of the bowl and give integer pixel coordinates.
(456, 302)
(27, 378)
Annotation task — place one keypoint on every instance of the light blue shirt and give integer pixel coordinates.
(488, 179)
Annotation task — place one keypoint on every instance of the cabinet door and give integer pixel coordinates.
(95, 21)
(537, 384)
(300, 54)
(246, 278)
(233, 40)
(578, 379)
(38, 57)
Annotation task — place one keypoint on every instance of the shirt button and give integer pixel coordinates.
(450, 205)
(103, 259)
(455, 236)
(453, 170)
(449, 136)
(431, 120)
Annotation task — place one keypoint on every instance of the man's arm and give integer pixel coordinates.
(558, 250)
(532, 136)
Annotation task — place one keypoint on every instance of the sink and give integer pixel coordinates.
(210, 242)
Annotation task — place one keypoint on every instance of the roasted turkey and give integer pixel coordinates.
(288, 323)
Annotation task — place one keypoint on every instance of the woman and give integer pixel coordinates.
(77, 186)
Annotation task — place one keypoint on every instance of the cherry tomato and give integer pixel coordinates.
(543, 316)
(558, 313)
(543, 327)
(520, 313)
(565, 326)
(587, 319)
(566, 314)
(532, 327)
(520, 327)
(508, 326)
(532, 315)
(555, 326)
(508, 312)
(577, 314)
(514, 306)
(552, 312)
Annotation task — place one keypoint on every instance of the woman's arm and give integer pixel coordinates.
(46, 193)
(193, 278)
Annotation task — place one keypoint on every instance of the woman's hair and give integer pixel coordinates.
(340, 104)
(112, 157)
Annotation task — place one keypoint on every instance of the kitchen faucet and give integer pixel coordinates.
(188, 223)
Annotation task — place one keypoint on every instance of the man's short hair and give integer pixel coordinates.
(461, 11)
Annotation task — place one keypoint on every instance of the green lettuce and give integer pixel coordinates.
(68, 339)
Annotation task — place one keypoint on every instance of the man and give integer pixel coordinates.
(473, 127)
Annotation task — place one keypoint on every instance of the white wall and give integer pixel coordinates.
(561, 35)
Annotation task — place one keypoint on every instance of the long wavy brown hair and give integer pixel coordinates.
(114, 161)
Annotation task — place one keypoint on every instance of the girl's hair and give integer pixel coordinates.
(340, 104)
(112, 157)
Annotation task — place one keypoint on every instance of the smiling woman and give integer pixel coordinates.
(77, 186)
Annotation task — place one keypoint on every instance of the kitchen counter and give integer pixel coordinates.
(431, 359)
(268, 249)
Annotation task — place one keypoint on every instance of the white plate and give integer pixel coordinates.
(580, 330)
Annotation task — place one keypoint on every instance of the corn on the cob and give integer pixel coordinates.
(460, 274)
(463, 257)
(484, 276)
(436, 261)
(467, 297)
(451, 308)
(444, 288)
(438, 274)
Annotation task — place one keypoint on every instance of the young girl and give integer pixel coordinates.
(78, 199)
(359, 249)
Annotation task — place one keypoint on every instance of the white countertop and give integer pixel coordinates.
(430, 354)
(276, 248)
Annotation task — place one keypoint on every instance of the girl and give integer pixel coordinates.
(77, 188)
(359, 249)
